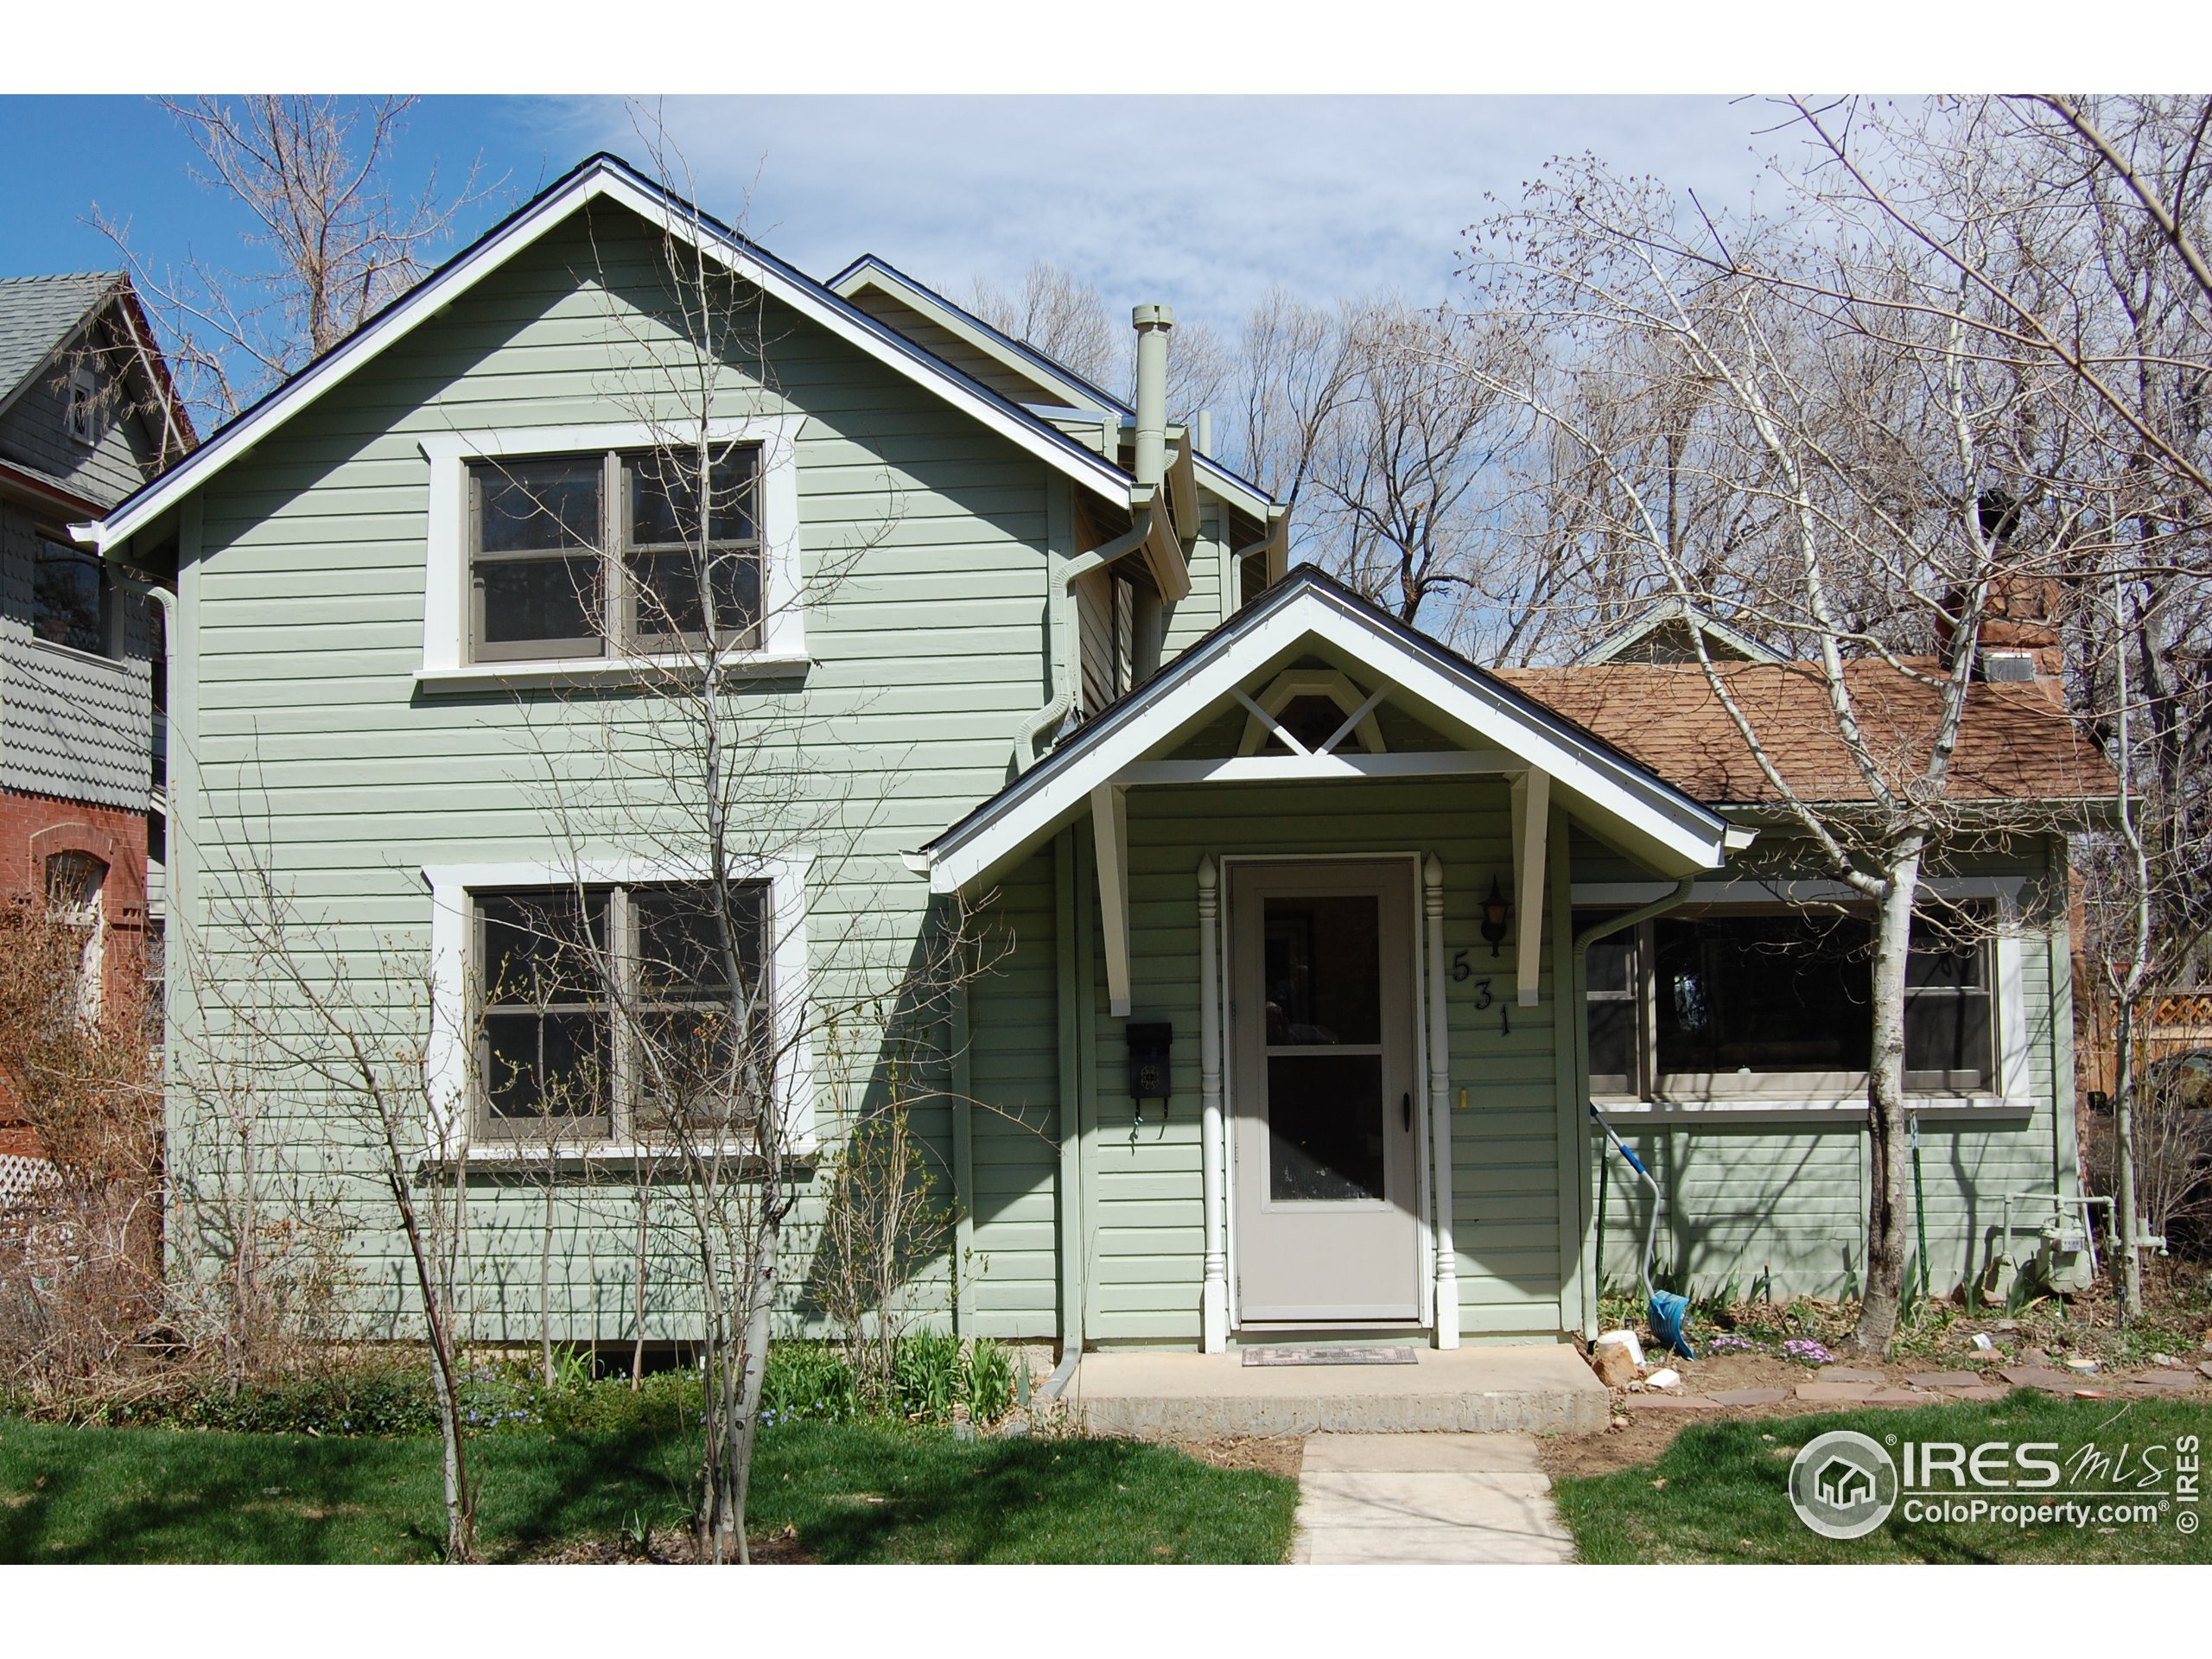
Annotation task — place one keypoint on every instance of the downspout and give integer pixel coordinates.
(1588, 937)
(1035, 724)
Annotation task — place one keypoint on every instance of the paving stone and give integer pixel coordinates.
(1752, 1397)
(1846, 1374)
(2205, 1366)
(1945, 1380)
(1670, 1402)
(1900, 1397)
(2040, 1376)
(1836, 1392)
(2163, 1382)
(1986, 1393)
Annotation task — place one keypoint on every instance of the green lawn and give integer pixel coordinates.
(854, 1492)
(1719, 1492)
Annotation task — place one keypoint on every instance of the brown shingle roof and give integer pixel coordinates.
(2016, 742)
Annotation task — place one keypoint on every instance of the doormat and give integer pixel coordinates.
(1371, 1354)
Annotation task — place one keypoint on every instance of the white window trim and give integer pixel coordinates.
(452, 887)
(2014, 1094)
(445, 580)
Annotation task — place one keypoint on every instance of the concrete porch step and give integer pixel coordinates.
(1537, 1390)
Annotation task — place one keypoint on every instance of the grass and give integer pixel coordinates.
(854, 1492)
(1718, 1493)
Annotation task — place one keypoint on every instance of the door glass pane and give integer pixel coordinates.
(1324, 1122)
(1323, 971)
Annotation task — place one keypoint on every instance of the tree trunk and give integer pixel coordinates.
(1885, 1108)
(758, 1321)
(2123, 1146)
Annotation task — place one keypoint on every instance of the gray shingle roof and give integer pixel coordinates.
(36, 312)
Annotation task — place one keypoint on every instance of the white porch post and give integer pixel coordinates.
(1439, 1108)
(1213, 1306)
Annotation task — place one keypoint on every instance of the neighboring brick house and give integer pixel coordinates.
(88, 416)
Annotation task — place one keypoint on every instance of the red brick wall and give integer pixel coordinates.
(33, 827)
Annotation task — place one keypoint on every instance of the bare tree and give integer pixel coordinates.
(1062, 316)
(336, 240)
(1892, 439)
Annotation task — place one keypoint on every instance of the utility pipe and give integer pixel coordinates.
(1153, 323)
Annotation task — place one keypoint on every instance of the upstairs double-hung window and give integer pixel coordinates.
(614, 554)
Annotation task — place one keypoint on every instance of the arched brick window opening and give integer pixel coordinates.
(76, 885)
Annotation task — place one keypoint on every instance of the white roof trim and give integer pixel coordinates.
(1673, 829)
(1021, 357)
(1675, 608)
(603, 176)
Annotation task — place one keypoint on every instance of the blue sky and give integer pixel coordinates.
(1201, 202)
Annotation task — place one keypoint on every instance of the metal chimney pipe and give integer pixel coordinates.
(1152, 322)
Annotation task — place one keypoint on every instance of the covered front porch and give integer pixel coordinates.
(1314, 987)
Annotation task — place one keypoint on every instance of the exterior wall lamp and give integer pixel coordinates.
(1496, 911)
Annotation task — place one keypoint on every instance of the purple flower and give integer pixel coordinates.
(1806, 1352)
(1727, 1344)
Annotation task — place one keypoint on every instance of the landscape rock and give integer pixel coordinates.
(2033, 1355)
(1665, 1377)
(1899, 1397)
(2205, 1366)
(1846, 1374)
(1613, 1365)
(1623, 1340)
(1672, 1402)
(1945, 1379)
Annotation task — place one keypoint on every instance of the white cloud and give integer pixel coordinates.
(1201, 202)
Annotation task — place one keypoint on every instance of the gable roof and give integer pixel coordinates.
(1674, 614)
(1657, 819)
(2016, 743)
(606, 177)
(42, 318)
(39, 313)
(1053, 378)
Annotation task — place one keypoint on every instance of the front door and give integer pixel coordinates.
(1322, 1000)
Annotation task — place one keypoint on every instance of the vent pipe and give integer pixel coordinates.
(1153, 322)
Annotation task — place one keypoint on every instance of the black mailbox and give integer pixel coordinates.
(1148, 1043)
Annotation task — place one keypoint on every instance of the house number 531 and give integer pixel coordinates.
(1461, 972)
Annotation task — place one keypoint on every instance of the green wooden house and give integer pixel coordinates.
(1285, 1026)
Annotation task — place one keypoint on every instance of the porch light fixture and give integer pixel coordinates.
(1495, 910)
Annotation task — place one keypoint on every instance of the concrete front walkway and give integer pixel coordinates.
(1536, 1387)
(1426, 1500)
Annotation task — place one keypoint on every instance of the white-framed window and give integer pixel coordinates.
(529, 1052)
(81, 409)
(1766, 1002)
(575, 553)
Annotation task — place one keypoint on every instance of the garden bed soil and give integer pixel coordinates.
(1279, 1454)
